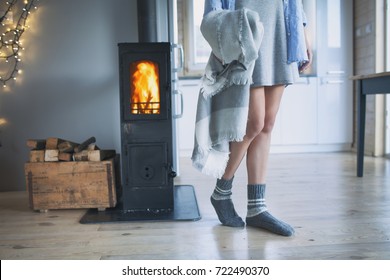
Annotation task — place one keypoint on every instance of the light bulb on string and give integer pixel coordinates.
(10, 43)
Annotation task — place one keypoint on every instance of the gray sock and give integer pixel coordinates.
(223, 204)
(258, 215)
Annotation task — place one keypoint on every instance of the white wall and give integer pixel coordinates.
(70, 85)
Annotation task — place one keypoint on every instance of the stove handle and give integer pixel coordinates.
(181, 65)
(179, 93)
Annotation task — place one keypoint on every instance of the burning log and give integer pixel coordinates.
(146, 93)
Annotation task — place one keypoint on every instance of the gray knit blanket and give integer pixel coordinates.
(223, 102)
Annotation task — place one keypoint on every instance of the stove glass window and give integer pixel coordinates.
(145, 88)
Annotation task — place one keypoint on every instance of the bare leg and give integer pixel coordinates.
(257, 159)
(258, 150)
(256, 116)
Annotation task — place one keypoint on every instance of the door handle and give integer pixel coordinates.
(179, 67)
(179, 93)
(335, 82)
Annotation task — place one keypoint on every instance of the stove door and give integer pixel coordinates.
(148, 181)
(148, 165)
(145, 85)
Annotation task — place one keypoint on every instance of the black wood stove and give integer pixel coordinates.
(147, 85)
(146, 126)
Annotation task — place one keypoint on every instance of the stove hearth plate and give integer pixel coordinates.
(185, 209)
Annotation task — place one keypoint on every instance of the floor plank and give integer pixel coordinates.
(335, 214)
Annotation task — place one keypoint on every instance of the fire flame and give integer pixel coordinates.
(146, 93)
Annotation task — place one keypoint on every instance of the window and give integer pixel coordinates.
(196, 49)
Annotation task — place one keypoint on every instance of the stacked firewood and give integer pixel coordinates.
(57, 149)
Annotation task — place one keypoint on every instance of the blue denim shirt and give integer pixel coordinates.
(295, 20)
(212, 5)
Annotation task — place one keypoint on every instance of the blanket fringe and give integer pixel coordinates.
(212, 162)
(215, 164)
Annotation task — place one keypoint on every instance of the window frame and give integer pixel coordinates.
(191, 68)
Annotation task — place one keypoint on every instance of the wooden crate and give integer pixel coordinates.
(70, 185)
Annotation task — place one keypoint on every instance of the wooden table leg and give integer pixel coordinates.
(361, 128)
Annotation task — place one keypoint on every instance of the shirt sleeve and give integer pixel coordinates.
(212, 5)
(304, 18)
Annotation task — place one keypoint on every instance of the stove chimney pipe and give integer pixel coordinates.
(147, 21)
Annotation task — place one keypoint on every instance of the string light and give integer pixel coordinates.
(10, 38)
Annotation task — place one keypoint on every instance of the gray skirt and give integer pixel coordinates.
(271, 67)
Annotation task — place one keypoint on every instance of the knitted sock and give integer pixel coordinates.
(258, 215)
(223, 204)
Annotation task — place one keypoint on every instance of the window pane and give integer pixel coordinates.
(202, 48)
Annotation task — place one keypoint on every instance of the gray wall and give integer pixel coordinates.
(70, 86)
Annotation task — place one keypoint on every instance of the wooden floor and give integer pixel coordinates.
(336, 216)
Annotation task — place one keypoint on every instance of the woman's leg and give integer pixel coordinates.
(256, 116)
(257, 159)
(258, 150)
(221, 197)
